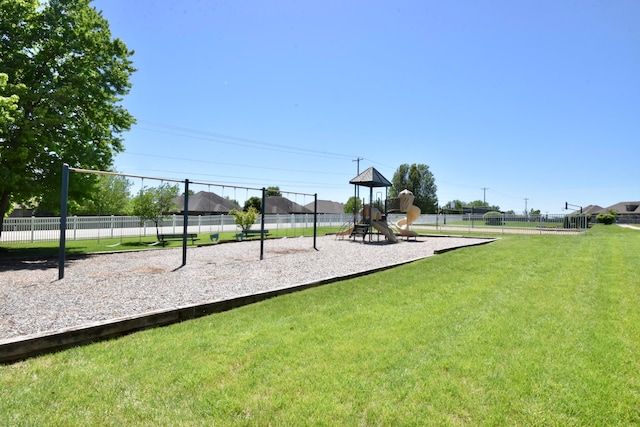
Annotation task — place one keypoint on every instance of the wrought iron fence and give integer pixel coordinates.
(500, 224)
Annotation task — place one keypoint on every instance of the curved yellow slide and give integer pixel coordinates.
(403, 225)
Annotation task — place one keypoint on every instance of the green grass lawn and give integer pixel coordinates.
(506, 224)
(50, 249)
(529, 330)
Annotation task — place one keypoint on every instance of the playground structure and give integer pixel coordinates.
(369, 217)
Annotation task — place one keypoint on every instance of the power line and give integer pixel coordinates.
(231, 164)
(243, 142)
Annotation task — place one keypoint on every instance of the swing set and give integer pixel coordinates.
(66, 169)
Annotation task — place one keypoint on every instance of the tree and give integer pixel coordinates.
(253, 202)
(454, 205)
(245, 219)
(273, 191)
(353, 201)
(418, 179)
(154, 204)
(112, 197)
(69, 76)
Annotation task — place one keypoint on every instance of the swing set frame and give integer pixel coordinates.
(66, 169)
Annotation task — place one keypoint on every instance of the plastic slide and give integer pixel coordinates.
(403, 225)
(384, 229)
(346, 232)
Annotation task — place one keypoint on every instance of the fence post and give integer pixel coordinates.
(540, 223)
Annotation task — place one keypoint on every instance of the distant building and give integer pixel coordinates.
(206, 203)
(628, 212)
(20, 212)
(282, 205)
(327, 207)
(594, 210)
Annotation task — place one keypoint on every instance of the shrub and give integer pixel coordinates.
(245, 219)
(492, 218)
(607, 218)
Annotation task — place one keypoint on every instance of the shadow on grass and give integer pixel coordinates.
(42, 258)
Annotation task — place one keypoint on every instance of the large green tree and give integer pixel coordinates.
(112, 197)
(69, 76)
(418, 179)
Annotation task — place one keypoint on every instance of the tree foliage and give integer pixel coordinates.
(353, 201)
(458, 205)
(245, 219)
(273, 191)
(606, 218)
(112, 197)
(155, 203)
(8, 105)
(418, 179)
(66, 77)
(253, 202)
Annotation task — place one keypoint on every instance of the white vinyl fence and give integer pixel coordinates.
(39, 229)
(42, 229)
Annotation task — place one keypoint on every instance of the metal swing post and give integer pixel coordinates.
(63, 220)
(264, 198)
(185, 222)
(315, 220)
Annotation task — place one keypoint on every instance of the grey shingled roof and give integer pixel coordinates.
(594, 210)
(282, 205)
(371, 178)
(327, 207)
(206, 202)
(622, 208)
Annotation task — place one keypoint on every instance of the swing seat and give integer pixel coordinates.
(114, 245)
(215, 238)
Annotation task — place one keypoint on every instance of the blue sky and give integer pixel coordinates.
(524, 103)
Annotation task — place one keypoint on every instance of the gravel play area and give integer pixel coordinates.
(109, 286)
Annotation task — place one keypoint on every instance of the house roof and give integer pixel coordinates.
(206, 202)
(371, 178)
(594, 210)
(327, 207)
(282, 205)
(625, 208)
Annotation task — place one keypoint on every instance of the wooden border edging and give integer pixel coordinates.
(441, 251)
(20, 348)
(16, 349)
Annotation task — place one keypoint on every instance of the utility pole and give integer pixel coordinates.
(356, 192)
(358, 160)
(484, 195)
(526, 212)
